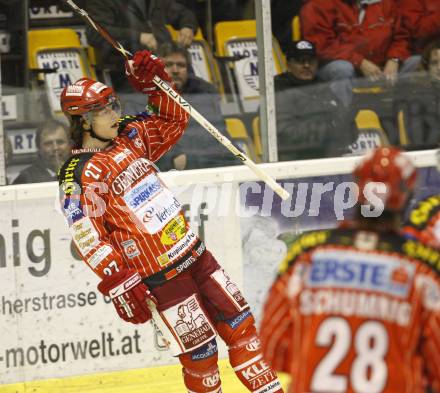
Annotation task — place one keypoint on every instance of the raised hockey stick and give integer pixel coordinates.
(262, 175)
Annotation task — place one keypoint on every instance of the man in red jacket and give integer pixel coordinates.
(130, 230)
(353, 38)
(422, 19)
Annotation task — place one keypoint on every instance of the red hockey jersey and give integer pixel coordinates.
(119, 211)
(355, 311)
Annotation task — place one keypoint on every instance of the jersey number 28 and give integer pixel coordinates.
(368, 372)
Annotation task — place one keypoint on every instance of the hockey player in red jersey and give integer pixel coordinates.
(357, 308)
(130, 230)
(423, 222)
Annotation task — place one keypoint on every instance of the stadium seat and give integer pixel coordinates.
(238, 39)
(61, 51)
(239, 136)
(256, 134)
(203, 61)
(403, 133)
(296, 28)
(371, 132)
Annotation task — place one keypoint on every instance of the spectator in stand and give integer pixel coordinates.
(417, 100)
(219, 11)
(422, 19)
(356, 37)
(311, 123)
(282, 13)
(54, 147)
(136, 24)
(197, 148)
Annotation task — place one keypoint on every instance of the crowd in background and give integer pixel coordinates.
(380, 57)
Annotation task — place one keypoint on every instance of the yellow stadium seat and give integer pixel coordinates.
(229, 31)
(256, 133)
(60, 50)
(296, 28)
(371, 132)
(237, 132)
(238, 38)
(403, 133)
(174, 33)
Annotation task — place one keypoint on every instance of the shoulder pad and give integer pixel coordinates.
(305, 242)
(69, 176)
(422, 252)
(126, 120)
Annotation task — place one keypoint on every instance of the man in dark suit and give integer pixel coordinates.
(54, 147)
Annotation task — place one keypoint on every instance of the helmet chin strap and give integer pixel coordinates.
(96, 136)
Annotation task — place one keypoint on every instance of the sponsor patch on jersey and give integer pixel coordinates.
(73, 210)
(118, 158)
(100, 254)
(234, 322)
(191, 327)
(230, 289)
(143, 192)
(178, 249)
(68, 184)
(204, 352)
(349, 269)
(134, 171)
(158, 212)
(173, 231)
(130, 248)
(84, 235)
(424, 210)
(132, 133)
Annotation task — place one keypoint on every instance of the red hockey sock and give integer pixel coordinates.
(246, 359)
(200, 370)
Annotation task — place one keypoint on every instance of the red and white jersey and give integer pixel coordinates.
(424, 221)
(119, 211)
(355, 311)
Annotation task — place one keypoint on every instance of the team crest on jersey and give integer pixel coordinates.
(72, 210)
(138, 143)
(130, 248)
(366, 241)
